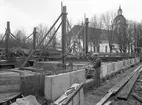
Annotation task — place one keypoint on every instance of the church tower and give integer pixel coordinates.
(120, 11)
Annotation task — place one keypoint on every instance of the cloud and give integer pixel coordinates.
(17, 19)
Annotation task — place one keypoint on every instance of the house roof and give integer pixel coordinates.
(95, 34)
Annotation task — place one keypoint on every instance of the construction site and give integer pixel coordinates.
(65, 76)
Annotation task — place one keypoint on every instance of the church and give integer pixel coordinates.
(98, 41)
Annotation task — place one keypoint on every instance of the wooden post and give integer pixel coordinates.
(86, 36)
(63, 35)
(7, 39)
(34, 38)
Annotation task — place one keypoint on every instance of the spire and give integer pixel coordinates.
(119, 10)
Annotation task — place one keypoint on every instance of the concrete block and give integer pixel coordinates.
(9, 82)
(76, 99)
(109, 69)
(71, 103)
(82, 97)
(116, 66)
(124, 65)
(121, 64)
(134, 60)
(55, 85)
(112, 67)
(79, 98)
(101, 73)
(131, 61)
(137, 59)
(10, 88)
(104, 70)
(127, 63)
(77, 76)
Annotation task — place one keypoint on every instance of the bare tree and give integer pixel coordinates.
(1, 40)
(137, 36)
(96, 22)
(53, 43)
(41, 31)
(130, 32)
(21, 38)
(107, 19)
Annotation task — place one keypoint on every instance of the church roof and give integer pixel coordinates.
(95, 34)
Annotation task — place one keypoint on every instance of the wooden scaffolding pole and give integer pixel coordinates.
(7, 40)
(63, 29)
(86, 36)
(34, 38)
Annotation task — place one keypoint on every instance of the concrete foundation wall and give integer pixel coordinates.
(32, 84)
(9, 82)
(110, 68)
(56, 85)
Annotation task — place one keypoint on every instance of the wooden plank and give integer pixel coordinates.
(108, 103)
(103, 100)
(128, 87)
(118, 86)
(137, 97)
(123, 81)
(113, 90)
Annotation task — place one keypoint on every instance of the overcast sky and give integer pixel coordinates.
(25, 14)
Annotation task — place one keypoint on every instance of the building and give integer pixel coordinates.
(120, 30)
(100, 40)
(97, 39)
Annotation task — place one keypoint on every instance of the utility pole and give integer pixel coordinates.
(34, 38)
(63, 29)
(7, 40)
